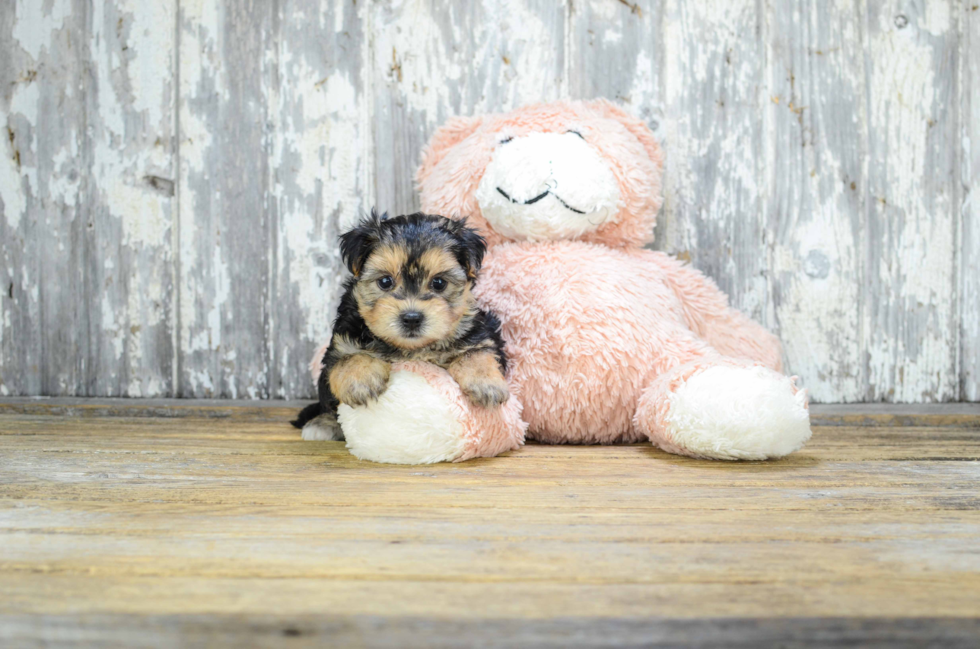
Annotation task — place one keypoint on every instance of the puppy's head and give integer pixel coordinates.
(413, 276)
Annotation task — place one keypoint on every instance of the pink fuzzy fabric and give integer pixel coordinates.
(487, 432)
(589, 328)
(316, 363)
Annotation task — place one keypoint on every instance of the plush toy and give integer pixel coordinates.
(607, 341)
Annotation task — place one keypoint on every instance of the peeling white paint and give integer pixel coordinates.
(816, 258)
(919, 252)
(937, 18)
(417, 55)
(37, 22)
(11, 189)
(153, 47)
(320, 157)
(110, 328)
(23, 103)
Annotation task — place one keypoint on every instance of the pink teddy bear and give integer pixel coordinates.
(607, 341)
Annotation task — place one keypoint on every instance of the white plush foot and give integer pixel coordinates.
(323, 429)
(738, 413)
(411, 423)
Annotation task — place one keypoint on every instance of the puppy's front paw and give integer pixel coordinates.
(359, 379)
(487, 392)
(478, 375)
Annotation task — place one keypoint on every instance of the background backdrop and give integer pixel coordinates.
(174, 173)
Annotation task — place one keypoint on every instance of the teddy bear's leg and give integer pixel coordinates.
(423, 417)
(707, 313)
(726, 409)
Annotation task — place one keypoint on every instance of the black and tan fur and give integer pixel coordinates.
(409, 298)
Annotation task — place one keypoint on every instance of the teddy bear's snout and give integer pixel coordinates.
(547, 186)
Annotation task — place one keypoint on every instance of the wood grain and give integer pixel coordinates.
(228, 60)
(616, 50)
(87, 189)
(910, 333)
(934, 415)
(969, 253)
(322, 163)
(817, 175)
(188, 522)
(374, 631)
(715, 66)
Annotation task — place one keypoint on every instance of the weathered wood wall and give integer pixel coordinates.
(173, 173)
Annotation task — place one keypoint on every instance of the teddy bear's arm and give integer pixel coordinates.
(707, 313)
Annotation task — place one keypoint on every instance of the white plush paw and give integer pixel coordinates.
(738, 413)
(322, 429)
(411, 423)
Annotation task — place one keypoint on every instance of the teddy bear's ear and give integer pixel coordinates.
(635, 126)
(443, 140)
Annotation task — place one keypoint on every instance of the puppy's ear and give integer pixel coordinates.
(471, 247)
(357, 244)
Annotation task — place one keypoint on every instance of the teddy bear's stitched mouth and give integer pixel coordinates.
(538, 198)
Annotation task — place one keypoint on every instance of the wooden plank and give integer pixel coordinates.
(20, 92)
(714, 73)
(434, 61)
(88, 191)
(322, 164)
(263, 630)
(816, 184)
(201, 521)
(935, 415)
(146, 596)
(969, 252)
(228, 56)
(910, 330)
(878, 414)
(266, 410)
(616, 51)
(45, 230)
(128, 253)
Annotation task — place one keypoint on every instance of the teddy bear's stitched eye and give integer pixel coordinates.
(506, 140)
(386, 283)
(576, 133)
(438, 284)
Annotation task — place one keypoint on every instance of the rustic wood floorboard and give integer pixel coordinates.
(203, 530)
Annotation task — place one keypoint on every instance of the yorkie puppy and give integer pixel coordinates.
(410, 298)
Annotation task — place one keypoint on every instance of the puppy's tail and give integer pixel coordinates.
(311, 411)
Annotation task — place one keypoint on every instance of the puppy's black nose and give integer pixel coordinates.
(412, 320)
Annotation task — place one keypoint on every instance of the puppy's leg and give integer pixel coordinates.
(323, 428)
(479, 377)
(358, 379)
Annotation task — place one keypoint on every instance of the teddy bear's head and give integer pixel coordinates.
(563, 170)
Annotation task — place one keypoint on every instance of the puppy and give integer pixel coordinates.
(410, 298)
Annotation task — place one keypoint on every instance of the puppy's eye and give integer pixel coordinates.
(386, 283)
(438, 284)
(506, 140)
(575, 133)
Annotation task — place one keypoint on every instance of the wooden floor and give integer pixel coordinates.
(204, 525)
